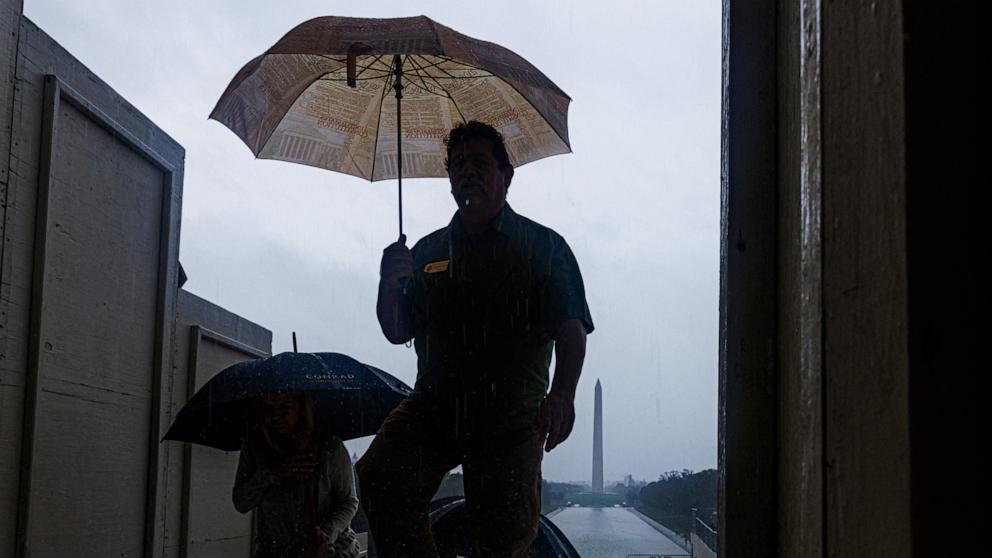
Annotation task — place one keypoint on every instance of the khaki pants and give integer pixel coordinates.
(404, 466)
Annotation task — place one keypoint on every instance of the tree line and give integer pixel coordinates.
(677, 492)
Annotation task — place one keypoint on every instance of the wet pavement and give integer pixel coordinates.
(612, 532)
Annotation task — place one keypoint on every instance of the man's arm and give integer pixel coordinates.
(390, 308)
(557, 413)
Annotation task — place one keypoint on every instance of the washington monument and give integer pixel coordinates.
(597, 441)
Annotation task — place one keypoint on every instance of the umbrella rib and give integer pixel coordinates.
(288, 108)
(378, 124)
(514, 87)
(425, 89)
(356, 79)
(528, 101)
(453, 61)
(385, 67)
(384, 73)
(460, 114)
(345, 61)
(428, 64)
(463, 77)
(378, 60)
(424, 85)
(452, 76)
(446, 92)
(417, 67)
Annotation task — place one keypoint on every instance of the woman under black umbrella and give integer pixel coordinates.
(300, 480)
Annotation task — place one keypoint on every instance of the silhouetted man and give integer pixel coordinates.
(485, 300)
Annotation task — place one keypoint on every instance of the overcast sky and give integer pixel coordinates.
(297, 249)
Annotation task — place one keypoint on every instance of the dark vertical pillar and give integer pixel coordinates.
(748, 379)
(865, 342)
(942, 226)
(800, 315)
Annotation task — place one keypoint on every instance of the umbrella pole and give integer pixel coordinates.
(398, 86)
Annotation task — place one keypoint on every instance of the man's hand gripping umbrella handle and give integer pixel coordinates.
(395, 273)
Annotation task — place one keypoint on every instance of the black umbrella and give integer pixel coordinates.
(350, 399)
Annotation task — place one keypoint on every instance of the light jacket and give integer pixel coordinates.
(285, 517)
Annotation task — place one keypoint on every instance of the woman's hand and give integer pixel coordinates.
(326, 540)
(322, 549)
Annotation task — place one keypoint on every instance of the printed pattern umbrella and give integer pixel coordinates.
(321, 97)
(350, 399)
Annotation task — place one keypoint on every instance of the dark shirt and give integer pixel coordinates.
(484, 310)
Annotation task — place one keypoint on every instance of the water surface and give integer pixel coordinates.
(612, 532)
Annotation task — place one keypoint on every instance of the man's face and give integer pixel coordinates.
(477, 183)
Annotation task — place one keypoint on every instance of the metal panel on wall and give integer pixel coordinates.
(11, 381)
(101, 320)
(213, 528)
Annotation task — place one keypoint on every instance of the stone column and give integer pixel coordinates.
(597, 441)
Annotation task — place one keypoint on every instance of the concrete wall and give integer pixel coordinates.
(201, 520)
(88, 297)
(699, 548)
(11, 376)
(93, 361)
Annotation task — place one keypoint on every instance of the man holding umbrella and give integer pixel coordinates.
(485, 300)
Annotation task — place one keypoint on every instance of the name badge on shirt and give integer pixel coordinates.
(436, 267)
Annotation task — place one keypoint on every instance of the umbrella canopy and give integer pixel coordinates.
(350, 399)
(321, 96)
